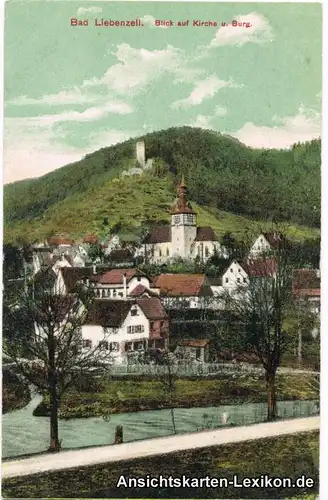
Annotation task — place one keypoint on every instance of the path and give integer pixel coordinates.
(150, 447)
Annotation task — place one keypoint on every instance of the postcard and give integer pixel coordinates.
(161, 253)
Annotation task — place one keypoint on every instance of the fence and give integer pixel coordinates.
(186, 369)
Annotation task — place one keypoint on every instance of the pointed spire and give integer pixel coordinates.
(182, 205)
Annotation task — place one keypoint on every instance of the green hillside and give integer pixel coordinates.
(232, 187)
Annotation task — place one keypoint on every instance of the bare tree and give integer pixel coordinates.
(168, 380)
(260, 309)
(52, 340)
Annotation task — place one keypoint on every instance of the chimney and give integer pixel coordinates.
(124, 286)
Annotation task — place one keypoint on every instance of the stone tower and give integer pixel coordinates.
(183, 225)
(141, 153)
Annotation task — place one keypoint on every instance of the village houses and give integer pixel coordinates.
(126, 327)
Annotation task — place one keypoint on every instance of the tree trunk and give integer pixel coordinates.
(54, 438)
(299, 349)
(173, 421)
(52, 381)
(271, 391)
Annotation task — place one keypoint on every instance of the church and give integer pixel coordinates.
(182, 239)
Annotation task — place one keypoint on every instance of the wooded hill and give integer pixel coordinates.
(233, 188)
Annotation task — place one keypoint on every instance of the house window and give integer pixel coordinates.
(114, 293)
(238, 280)
(162, 324)
(128, 346)
(86, 343)
(160, 252)
(239, 270)
(190, 218)
(245, 280)
(114, 346)
(206, 252)
(151, 324)
(134, 312)
(103, 345)
(138, 278)
(136, 329)
(177, 219)
(231, 270)
(227, 280)
(167, 252)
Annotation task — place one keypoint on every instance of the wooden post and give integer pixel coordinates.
(119, 434)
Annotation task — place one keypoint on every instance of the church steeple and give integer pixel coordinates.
(182, 205)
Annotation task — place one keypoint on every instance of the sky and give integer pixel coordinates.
(70, 90)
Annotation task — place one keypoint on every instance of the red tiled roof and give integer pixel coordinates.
(187, 285)
(306, 278)
(139, 290)
(307, 292)
(59, 240)
(90, 238)
(258, 268)
(152, 308)
(159, 234)
(205, 234)
(115, 276)
(193, 342)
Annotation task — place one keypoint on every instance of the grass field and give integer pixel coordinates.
(128, 395)
(288, 456)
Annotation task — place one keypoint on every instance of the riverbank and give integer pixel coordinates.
(287, 456)
(133, 394)
(15, 393)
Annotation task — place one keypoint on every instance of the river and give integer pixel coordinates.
(22, 433)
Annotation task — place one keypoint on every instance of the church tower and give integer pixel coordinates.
(183, 225)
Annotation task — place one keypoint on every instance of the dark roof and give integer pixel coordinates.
(72, 275)
(45, 276)
(152, 308)
(57, 258)
(159, 234)
(187, 285)
(108, 313)
(139, 290)
(115, 276)
(193, 342)
(215, 281)
(205, 234)
(273, 238)
(121, 255)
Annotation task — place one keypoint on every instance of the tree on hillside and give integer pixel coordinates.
(52, 341)
(95, 252)
(261, 308)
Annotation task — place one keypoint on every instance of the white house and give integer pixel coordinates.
(265, 243)
(182, 239)
(118, 283)
(123, 327)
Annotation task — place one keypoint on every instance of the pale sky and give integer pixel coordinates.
(72, 90)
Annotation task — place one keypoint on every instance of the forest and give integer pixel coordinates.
(223, 176)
